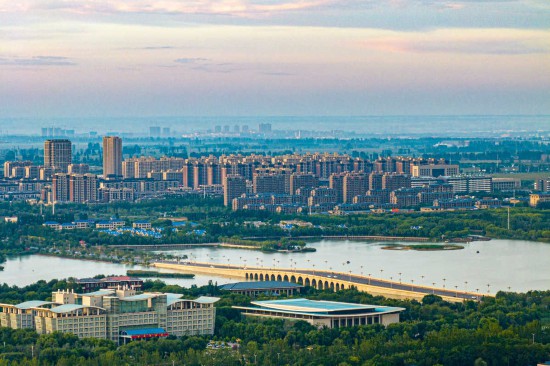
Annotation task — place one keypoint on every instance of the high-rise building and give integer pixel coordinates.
(60, 187)
(354, 185)
(10, 171)
(112, 156)
(300, 180)
(82, 188)
(336, 182)
(434, 170)
(79, 169)
(154, 131)
(58, 155)
(394, 181)
(269, 183)
(233, 186)
(265, 128)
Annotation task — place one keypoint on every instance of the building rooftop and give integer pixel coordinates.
(138, 297)
(173, 298)
(99, 293)
(120, 278)
(67, 308)
(88, 280)
(312, 306)
(32, 304)
(206, 300)
(259, 285)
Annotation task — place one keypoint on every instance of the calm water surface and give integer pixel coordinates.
(519, 265)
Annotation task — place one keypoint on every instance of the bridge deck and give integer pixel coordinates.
(323, 279)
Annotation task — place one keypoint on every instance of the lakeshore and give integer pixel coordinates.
(503, 264)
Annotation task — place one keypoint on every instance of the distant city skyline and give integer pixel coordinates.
(273, 57)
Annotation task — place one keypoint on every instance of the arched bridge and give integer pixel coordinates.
(322, 280)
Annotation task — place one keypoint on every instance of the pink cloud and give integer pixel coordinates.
(242, 8)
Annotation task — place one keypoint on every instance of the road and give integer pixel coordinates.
(349, 277)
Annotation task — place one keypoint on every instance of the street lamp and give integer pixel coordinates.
(444, 282)
(433, 289)
(391, 281)
(412, 285)
(399, 277)
(488, 285)
(456, 289)
(369, 278)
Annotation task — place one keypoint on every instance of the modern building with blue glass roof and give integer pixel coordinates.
(331, 314)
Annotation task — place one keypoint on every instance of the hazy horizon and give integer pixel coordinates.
(461, 125)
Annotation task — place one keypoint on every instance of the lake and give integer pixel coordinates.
(503, 264)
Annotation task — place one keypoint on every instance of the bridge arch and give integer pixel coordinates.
(337, 287)
(293, 279)
(306, 283)
(246, 275)
(272, 277)
(285, 278)
(255, 276)
(279, 278)
(332, 286)
(314, 283)
(261, 276)
(301, 280)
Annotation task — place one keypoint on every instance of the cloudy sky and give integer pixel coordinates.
(274, 57)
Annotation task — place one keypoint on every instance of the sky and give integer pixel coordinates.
(273, 57)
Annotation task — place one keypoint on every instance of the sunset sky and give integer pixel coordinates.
(271, 57)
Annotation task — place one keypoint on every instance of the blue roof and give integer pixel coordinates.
(143, 331)
(318, 308)
(259, 285)
(51, 223)
(312, 306)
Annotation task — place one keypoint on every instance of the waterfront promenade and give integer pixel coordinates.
(322, 279)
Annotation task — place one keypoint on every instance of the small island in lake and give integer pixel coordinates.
(423, 247)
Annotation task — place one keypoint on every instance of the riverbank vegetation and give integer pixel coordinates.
(204, 221)
(156, 274)
(510, 329)
(283, 244)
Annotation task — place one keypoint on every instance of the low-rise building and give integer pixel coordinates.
(111, 224)
(141, 225)
(269, 288)
(331, 314)
(112, 282)
(536, 198)
(119, 315)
